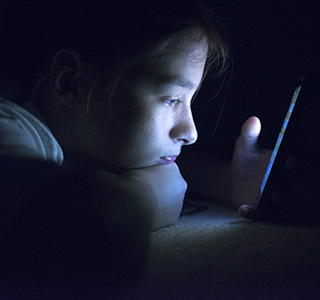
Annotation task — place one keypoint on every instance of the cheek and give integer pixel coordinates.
(134, 131)
(139, 118)
(148, 134)
(127, 112)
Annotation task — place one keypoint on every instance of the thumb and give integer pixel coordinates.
(249, 133)
(248, 212)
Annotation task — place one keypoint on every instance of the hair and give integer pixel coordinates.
(118, 35)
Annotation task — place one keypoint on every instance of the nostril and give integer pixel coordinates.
(186, 135)
(184, 130)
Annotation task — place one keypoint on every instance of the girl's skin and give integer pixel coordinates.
(151, 121)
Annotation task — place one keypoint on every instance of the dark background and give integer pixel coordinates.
(272, 44)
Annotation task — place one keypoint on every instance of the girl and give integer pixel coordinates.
(88, 165)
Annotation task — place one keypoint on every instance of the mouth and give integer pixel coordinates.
(168, 159)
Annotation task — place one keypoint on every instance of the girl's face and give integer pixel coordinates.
(153, 118)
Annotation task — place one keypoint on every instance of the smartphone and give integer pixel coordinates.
(273, 173)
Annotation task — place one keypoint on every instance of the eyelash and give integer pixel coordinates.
(172, 101)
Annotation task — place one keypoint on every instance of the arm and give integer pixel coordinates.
(70, 222)
(164, 190)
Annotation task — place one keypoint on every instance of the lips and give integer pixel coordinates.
(168, 159)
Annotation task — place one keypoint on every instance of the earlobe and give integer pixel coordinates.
(65, 77)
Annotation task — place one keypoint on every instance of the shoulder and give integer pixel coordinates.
(12, 111)
(24, 135)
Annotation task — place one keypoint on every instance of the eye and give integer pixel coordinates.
(171, 101)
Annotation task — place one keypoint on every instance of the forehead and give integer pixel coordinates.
(181, 64)
(188, 49)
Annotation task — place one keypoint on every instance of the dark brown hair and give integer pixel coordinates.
(117, 35)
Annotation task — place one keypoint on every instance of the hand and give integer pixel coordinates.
(166, 189)
(248, 168)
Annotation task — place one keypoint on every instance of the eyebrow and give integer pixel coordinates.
(176, 80)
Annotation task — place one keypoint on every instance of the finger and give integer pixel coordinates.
(248, 212)
(250, 132)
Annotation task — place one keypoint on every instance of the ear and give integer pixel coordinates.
(66, 74)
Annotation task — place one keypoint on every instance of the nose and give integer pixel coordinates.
(184, 129)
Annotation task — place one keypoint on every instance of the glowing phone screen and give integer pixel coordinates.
(280, 137)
